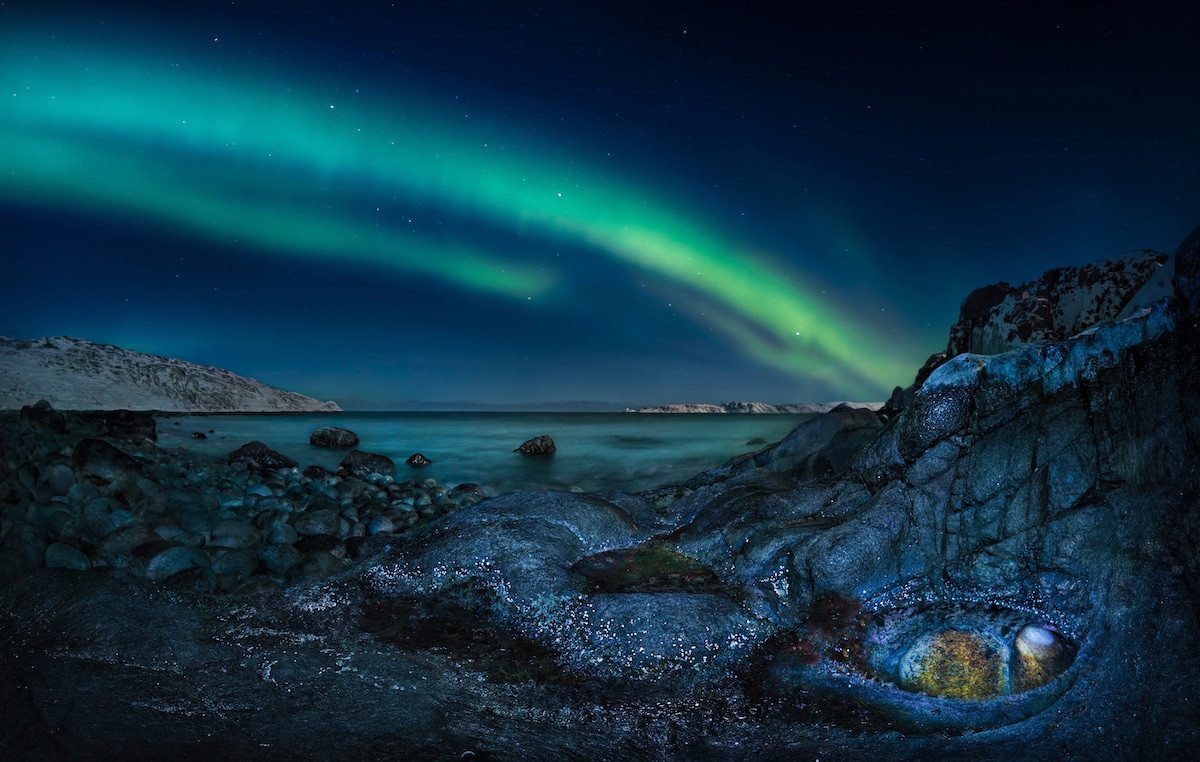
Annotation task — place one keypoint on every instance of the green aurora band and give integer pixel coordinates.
(255, 158)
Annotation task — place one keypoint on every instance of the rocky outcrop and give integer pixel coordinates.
(1062, 303)
(1007, 566)
(1027, 521)
(75, 374)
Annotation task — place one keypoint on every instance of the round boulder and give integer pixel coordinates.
(417, 460)
(332, 436)
(258, 457)
(323, 521)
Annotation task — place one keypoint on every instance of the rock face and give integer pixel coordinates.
(1007, 566)
(1062, 303)
(74, 374)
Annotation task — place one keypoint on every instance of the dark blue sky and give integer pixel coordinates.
(518, 203)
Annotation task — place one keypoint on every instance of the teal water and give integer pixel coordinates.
(596, 451)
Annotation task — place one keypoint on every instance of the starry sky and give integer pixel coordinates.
(583, 205)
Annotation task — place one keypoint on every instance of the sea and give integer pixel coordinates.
(629, 452)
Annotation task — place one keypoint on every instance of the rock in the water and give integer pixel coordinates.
(417, 460)
(542, 445)
(362, 463)
(332, 436)
(258, 457)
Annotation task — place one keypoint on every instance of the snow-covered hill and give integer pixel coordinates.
(75, 374)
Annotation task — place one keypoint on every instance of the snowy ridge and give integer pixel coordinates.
(76, 374)
(801, 408)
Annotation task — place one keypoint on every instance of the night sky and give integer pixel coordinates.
(629, 203)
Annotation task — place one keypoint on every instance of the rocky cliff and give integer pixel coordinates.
(75, 374)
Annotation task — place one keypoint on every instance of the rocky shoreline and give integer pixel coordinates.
(94, 491)
(1002, 562)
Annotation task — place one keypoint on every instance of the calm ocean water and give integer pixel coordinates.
(596, 451)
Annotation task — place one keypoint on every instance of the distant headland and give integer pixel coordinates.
(76, 374)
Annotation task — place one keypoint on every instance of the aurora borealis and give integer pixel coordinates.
(501, 203)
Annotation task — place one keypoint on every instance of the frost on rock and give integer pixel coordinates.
(1055, 364)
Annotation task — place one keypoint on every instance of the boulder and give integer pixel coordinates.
(100, 460)
(332, 436)
(361, 463)
(258, 457)
(542, 445)
(417, 460)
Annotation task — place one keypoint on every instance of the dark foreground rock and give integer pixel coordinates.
(1007, 567)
